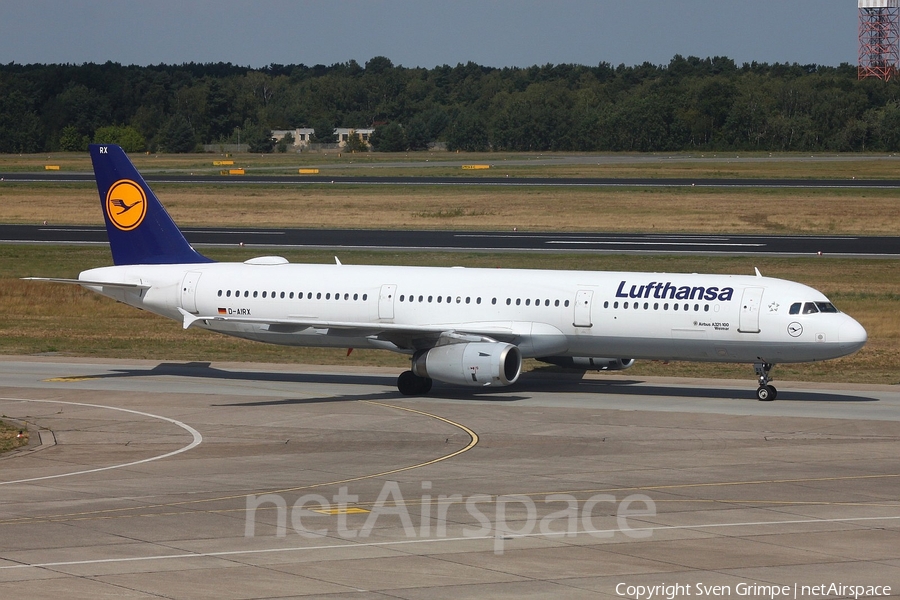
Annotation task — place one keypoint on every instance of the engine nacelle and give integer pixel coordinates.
(472, 363)
(589, 363)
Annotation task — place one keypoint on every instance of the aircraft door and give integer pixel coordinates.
(189, 291)
(386, 301)
(750, 303)
(583, 308)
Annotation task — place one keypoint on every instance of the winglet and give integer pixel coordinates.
(758, 274)
(140, 230)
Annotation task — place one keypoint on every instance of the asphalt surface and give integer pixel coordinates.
(486, 241)
(232, 481)
(462, 180)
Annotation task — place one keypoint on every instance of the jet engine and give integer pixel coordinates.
(471, 363)
(589, 363)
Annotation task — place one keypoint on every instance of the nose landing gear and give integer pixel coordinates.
(766, 392)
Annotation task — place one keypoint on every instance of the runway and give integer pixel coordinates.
(639, 182)
(488, 241)
(246, 481)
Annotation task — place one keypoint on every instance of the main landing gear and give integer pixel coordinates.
(766, 392)
(411, 384)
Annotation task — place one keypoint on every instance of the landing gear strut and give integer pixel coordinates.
(765, 392)
(411, 384)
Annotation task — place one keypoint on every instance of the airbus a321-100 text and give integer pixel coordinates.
(469, 327)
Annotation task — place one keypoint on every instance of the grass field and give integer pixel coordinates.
(658, 210)
(9, 439)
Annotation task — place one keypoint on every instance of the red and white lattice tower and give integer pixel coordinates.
(879, 38)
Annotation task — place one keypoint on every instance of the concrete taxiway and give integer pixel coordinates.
(156, 480)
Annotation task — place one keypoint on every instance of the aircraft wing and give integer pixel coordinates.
(402, 335)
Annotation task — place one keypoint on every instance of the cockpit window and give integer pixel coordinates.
(826, 307)
(812, 308)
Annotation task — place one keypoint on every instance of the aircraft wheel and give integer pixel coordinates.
(411, 384)
(766, 393)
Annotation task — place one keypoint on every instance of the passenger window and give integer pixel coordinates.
(527, 301)
(567, 303)
(615, 305)
(440, 298)
(228, 293)
(556, 303)
(810, 308)
(402, 297)
(255, 294)
(518, 301)
(246, 293)
(365, 296)
(625, 305)
(606, 304)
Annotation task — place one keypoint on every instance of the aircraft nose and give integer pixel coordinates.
(852, 335)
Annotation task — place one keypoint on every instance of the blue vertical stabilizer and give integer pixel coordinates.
(140, 230)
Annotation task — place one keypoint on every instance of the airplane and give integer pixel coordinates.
(462, 326)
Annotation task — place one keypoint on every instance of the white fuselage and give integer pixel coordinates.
(723, 318)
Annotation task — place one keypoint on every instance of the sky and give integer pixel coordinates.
(427, 33)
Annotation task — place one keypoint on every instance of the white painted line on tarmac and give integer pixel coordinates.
(605, 533)
(197, 439)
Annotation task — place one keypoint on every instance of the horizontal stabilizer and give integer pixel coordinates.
(85, 282)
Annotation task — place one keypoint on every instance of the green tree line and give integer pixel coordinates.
(688, 104)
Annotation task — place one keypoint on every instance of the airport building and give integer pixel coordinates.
(303, 136)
